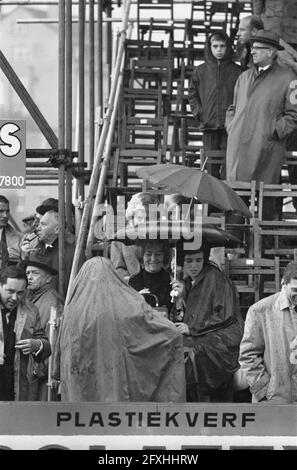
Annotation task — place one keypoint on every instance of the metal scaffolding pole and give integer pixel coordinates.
(108, 144)
(104, 20)
(100, 70)
(114, 2)
(104, 166)
(68, 112)
(61, 136)
(81, 93)
(108, 46)
(31, 106)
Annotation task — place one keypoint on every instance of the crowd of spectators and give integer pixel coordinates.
(148, 336)
(136, 327)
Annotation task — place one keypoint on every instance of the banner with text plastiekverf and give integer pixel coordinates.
(83, 426)
(12, 154)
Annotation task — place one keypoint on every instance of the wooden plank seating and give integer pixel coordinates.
(219, 157)
(276, 237)
(139, 102)
(159, 26)
(127, 159)
(283, 191)
(151, 73)
(254, 278)
(156, 10)
(138, 49)
(146, 133)
(243, 226)
(291, 158)
(213, 157)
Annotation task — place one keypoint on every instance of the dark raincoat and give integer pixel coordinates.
(216, 329)
(157, 283)
(3, 255)
(27, 326)
(43, 298)
(212, 87)
(113, 346)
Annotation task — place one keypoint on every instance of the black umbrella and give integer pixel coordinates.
(175, 230)
(192, 234)
(192, 182)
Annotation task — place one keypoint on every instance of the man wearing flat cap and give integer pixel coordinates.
(263, 114)
(43, 295)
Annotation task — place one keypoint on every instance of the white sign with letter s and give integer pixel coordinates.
(12, 154)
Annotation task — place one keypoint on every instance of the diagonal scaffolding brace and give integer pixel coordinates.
(28, 101)
(83, 230)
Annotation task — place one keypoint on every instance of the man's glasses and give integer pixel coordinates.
(255, 48)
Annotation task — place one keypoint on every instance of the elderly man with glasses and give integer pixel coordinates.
(263, 114)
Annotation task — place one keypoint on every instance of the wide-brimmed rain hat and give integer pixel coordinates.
(50, 204)
(40, 261)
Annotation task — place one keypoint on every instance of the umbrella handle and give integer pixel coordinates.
(204, 163)
(190, 205)
(174, 270)
(175, 259)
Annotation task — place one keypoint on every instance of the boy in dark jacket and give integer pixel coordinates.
(211, 92)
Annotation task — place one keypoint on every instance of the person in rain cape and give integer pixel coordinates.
(212, 327)
(114, 347)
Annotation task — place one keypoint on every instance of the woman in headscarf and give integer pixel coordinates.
(113, 346)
